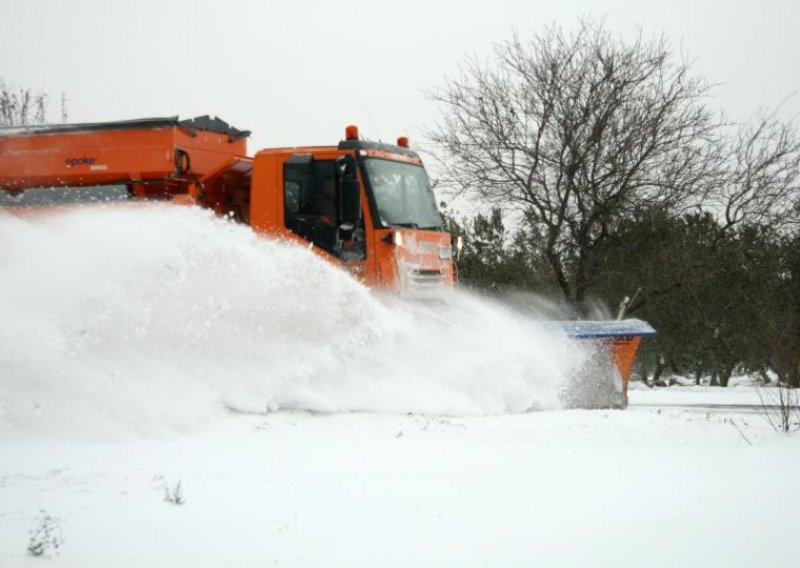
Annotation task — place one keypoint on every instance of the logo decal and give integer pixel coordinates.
(85, 161)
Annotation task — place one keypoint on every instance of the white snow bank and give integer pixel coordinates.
(677, 395)
(156, 316)
(630, 488)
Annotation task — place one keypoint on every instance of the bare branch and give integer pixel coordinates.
(578, 130)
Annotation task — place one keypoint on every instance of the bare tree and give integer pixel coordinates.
(577, 130)
(760, 176)
(20, 106)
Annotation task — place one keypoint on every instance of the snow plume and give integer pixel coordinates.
(149, 317)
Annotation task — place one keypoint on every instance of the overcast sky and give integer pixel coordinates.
(296, 73)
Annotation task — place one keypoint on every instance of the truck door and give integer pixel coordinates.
(319, 208)
(310, 200)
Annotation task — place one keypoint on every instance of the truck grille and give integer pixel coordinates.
(427, 277)
(423, 283)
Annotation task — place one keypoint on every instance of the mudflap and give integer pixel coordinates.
(602, 382)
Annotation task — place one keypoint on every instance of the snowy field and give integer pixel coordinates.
(309, 424)
(653, 487)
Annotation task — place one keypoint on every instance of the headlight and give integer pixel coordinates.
(445, 253)
(394, 238)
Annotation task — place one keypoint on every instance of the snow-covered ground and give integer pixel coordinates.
(555, 488)
(327, 428)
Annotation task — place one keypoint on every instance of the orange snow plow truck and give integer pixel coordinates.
(365, 206)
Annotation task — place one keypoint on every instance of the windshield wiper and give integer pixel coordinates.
(406, 225)
(433, 228)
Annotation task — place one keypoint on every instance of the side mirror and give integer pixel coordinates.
(349, 200)
(349, 191)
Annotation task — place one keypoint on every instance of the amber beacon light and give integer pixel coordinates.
(351, 132)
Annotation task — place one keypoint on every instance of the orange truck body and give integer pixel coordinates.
(204, 161)
(386, 244)
(148, 153)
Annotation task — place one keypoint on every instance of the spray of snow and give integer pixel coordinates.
(157, 317)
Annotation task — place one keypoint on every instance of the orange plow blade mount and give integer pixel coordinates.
(618, 342)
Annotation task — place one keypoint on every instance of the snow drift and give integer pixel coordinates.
(154, 316)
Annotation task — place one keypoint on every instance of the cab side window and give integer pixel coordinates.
(310, 201)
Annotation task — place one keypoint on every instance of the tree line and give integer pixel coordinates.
(621, 180)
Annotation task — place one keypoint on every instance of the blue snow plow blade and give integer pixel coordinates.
(609, 329)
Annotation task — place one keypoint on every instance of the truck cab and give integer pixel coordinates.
(366, 206)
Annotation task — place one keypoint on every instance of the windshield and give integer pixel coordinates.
(403, 194)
